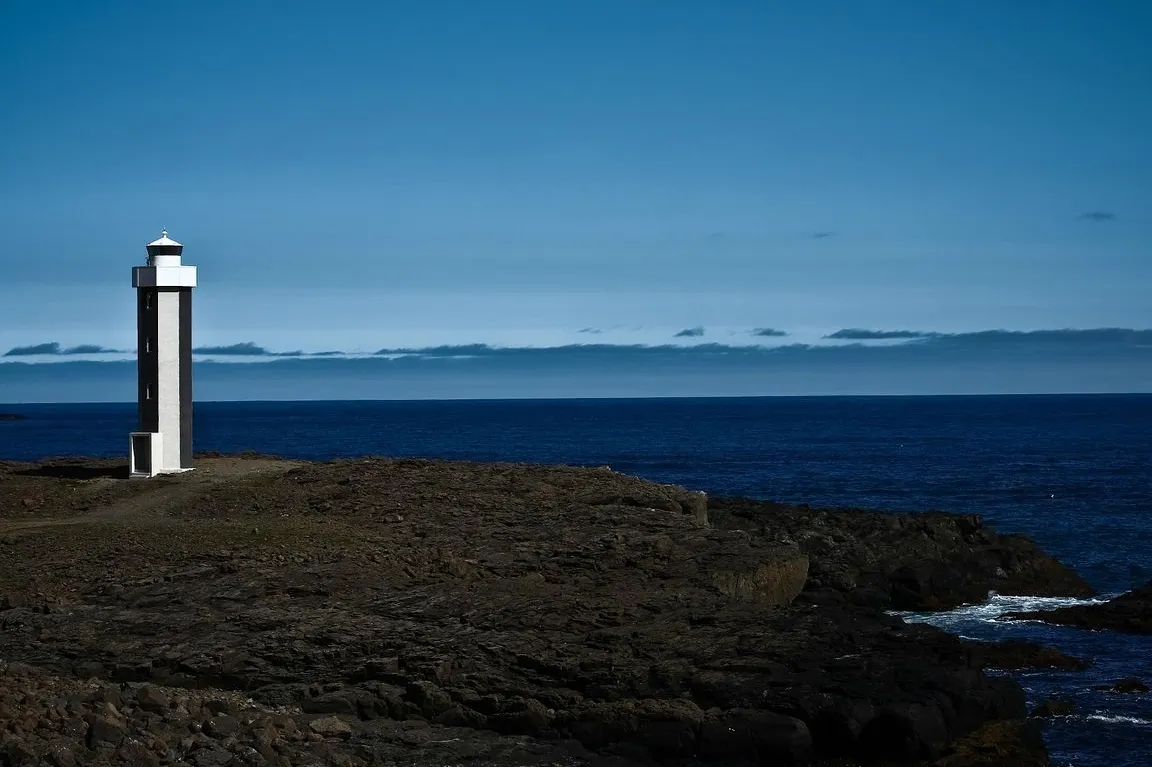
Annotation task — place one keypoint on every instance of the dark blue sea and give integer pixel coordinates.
(1074, 472)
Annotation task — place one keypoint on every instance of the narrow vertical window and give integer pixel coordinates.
(148, 345)
(148, 300)
(147, 391)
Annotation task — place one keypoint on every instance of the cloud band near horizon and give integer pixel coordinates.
(1049, 340)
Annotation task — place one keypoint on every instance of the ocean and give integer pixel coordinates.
(1074, 472)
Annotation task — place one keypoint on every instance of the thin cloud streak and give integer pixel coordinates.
(53, 348)
(861, 334)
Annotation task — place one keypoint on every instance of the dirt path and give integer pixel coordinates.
(161, 492)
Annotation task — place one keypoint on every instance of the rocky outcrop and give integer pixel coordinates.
(1016, 743)
(1125, 686)
(1130, 613)
(12, 417)
(1051, 707)
(375, 611)
(1017, 654)
(61, 721)
(930, 561)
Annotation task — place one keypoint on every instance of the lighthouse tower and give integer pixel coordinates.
(162, 443)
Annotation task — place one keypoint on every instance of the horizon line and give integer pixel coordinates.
(941, 395)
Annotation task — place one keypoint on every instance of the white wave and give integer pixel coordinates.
(1118, 719)
(995, 606)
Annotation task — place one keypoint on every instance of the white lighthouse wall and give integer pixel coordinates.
(168, 375)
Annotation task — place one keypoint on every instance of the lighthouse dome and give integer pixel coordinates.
(164, 251)
(164, 240)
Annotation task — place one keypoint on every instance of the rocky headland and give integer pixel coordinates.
(377, 611)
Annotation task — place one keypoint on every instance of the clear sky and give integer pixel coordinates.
(362, 174)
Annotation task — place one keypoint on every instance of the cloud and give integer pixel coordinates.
(927, 343)
(245, 348)
(860, 334)
(445, 350)
(91, 349)
(593, 331)
(28, 351)
(820, 235)
(568, 350)
(1114, 360)
(55, 348)
(1048, 340)
(1098, 215)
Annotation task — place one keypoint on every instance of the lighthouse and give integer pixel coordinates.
(162, 443)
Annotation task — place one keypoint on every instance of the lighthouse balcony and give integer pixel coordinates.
(163, 276)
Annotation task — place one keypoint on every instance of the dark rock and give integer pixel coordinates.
(1129, 613)
(89, 669)
(669, 728)
(1052, 707)
(152, 698)
(929, 561)
(905, 731)
(459, 716)
(211, 757)
(222, 726)
(739, 734)
(1015, 654)
(60, 756)
(526, 717)
(331, 727)
(12, 417)
(338, 702)
(103, 730)
(1018, 743)
(1127, 685)
(136, 753)
(18, 753)
(429, 698)
(221, 706)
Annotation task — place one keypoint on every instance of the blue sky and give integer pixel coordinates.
(356, 175)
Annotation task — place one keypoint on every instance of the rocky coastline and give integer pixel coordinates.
(1130, 613)
(385, 611)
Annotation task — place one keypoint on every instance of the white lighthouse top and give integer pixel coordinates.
(164, 240)
(164, 268)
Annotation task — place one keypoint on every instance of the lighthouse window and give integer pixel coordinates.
(148, 300)
(148, 391)
(148, 345)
